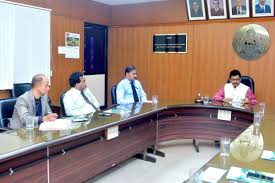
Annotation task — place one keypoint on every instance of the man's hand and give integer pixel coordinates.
(50, 117)
(227, 100)
(245, 100)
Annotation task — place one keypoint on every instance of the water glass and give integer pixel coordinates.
(225, 146)
(205, 99)
(154, 98)
(261, 108)
(257, 119)
(30, 123)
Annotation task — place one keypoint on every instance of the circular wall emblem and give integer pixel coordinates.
(251, 41)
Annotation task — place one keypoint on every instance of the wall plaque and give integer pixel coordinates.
(170, 43)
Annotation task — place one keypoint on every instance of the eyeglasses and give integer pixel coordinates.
(238, 79)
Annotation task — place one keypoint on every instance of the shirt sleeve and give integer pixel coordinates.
(143, 96)
(120, 94)
(251, 97)
(68, 104)
(219, 96)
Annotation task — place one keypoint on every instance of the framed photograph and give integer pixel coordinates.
(196, 9)
(216, 9)
(238, 8)
(262, 8)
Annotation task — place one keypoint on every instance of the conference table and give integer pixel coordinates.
(84, 150)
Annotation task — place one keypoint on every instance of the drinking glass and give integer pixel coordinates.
(225, 146)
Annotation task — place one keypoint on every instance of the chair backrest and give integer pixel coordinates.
(248, 81)
(63, 112)
(6, 111)
(113, 94)
(20, 88)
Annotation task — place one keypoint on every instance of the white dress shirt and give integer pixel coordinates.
(75, 104)
(124, 92)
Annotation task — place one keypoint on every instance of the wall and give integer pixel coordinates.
(162, 12)
(67, 16)
(203, 69)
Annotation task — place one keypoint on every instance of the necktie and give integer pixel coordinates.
(238, 11)
(88, 101)
(262, 9)
(134, 92)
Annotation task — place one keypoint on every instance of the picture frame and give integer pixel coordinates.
(216, 9)
(196, 9)
(262, 8)
(239, 8)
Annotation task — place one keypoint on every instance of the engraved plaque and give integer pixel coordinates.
(251, 41)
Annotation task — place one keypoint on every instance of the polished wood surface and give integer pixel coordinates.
(150, 13)
(83, 148)
(63, 67)
(248, 156)
(203, 69)
(5, 94)
(200, 123)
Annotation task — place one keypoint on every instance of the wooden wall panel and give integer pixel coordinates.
(150, 13)
(161, 74)
(204, 68)
(61, 67)
(214, 57)
(263, 69)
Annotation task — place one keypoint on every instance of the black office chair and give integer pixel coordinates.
(6, 111)
(20, 89)
(113, 94)
(63, 112)
(248, 81)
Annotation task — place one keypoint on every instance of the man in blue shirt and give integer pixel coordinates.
(129, 90)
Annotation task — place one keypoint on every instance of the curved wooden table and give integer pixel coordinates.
(83, 152)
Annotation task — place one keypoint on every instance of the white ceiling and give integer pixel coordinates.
(119, 2)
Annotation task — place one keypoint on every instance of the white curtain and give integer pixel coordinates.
(7, 45)
(27, 33)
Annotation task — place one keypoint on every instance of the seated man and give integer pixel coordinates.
(33, 104)
(235, 91)
(129, 90)
(79, 100)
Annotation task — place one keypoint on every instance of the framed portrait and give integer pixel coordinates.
(216, 9)
(262, 8)
(238, 8)
(196, 9)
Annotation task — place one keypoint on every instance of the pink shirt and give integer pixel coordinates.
(219, 96)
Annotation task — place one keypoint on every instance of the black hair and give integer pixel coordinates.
(75, 78)
(235, 73)
(129, 69)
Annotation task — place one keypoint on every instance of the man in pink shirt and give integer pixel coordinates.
(235, 91)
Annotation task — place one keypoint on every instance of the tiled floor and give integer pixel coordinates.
(181, 158)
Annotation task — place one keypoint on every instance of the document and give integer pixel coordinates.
(58, 124)
(212, 174)
(268, 155)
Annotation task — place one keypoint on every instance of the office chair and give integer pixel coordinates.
(63, 112)
(248, 81)
(113, 94)
(20, 89)
(6, 111)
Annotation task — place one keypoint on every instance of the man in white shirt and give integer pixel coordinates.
(129, 90)
(79, 99)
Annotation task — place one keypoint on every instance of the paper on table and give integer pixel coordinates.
(148, 101)
(212, 174)
(268, 155)
(58, 124)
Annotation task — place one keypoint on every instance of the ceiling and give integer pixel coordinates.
(119, 2)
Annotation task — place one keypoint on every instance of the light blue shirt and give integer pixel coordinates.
(124, 92)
